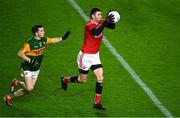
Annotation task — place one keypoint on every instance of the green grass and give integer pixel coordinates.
(147, 37)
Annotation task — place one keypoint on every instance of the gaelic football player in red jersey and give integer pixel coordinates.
(88, 57)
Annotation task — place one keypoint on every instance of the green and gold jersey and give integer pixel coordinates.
(34, 49)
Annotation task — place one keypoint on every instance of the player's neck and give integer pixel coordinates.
(37, 38)
(94, 21)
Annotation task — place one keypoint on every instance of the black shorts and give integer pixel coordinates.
(93, 67)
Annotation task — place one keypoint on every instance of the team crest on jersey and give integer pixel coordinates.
(40, 44)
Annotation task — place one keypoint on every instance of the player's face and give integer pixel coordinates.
(97, 16)
(40, 32)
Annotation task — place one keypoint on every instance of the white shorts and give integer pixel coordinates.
(85, 61)
(33, 74)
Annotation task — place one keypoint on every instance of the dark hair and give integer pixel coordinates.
(93, 11)
(36, 28)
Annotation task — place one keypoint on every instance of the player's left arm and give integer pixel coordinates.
(110, 25)
(58, 39)
(54, 40)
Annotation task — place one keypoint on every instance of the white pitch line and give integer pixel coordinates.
(147, 90)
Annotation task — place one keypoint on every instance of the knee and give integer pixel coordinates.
(83, 80)
(30, 89)
(100, 79)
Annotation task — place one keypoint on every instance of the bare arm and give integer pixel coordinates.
(59, 39)
(22, 55)
(56, 40)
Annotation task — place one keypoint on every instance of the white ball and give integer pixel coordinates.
(116, 16)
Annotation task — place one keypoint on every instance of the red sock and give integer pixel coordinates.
(98, 98)
(66, 80)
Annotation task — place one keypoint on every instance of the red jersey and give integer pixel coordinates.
(91, 43)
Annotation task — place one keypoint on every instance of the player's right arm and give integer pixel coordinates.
(22, 52)
(106, 23)
(22, 55)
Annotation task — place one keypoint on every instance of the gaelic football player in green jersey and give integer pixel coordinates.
(32, 54)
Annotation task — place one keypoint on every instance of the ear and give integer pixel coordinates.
(92, 16)
(36, 33)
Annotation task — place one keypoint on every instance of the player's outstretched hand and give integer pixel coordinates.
(66, 35)
(110, 18)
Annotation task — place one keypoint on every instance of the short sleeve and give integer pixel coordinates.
(89, 26)
(49, 40)
(26, 47)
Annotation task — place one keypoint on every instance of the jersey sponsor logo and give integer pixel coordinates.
(36, 52)
(39, 51)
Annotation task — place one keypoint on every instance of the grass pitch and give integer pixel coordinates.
(147, 36)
